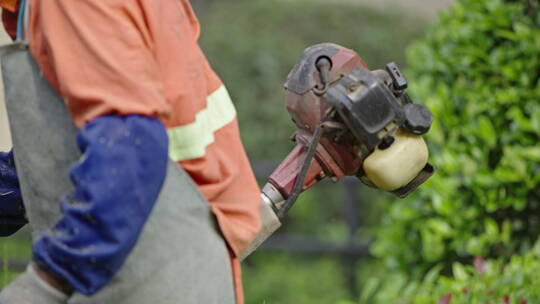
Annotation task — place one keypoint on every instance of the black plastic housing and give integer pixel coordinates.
(366, 105)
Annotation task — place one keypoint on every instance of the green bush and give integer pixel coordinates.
(478, 70)
(515, 282)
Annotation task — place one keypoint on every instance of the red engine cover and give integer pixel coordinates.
(332, 159)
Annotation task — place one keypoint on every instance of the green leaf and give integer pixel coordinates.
(491, 229)
(459, 272)
(486, 131)
(432, 275)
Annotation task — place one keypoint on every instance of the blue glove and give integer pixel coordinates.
(12, 214)
(117, 181)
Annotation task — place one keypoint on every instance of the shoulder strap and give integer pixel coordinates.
(22, 22)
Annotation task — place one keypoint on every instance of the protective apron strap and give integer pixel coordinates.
(22, 22)
(180, 256)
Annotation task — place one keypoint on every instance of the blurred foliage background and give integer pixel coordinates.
(469, 235)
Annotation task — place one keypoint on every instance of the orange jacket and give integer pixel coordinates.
(142, 57)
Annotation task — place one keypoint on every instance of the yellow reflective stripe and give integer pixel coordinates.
(190, 141)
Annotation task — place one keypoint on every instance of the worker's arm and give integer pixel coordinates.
(12, 215)
(117, 182)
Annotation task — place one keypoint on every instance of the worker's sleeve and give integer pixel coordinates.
(12, 213)
(99, 55)
(117, 181)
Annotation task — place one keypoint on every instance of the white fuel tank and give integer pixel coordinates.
(397, 165)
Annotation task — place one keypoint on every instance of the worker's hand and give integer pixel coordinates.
(31, 288)
(12, 213)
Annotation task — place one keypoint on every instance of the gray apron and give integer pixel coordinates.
(180, 256)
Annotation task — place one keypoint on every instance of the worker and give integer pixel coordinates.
(140, 91)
